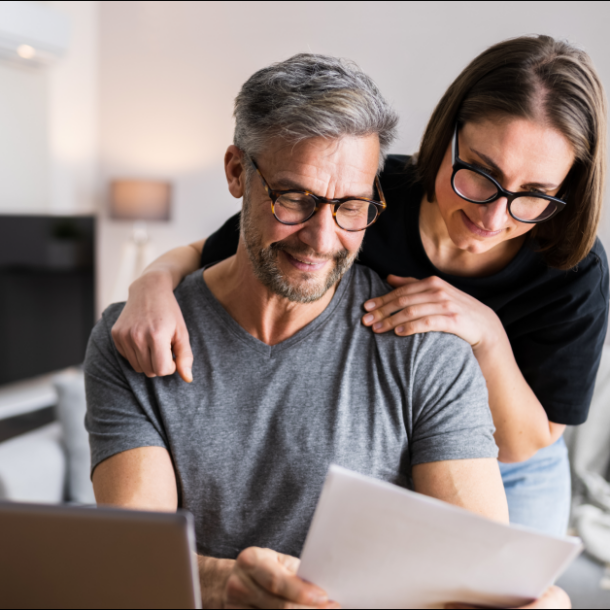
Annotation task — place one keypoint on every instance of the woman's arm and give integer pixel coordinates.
(416, 306)
(522, 425)
(151, 326)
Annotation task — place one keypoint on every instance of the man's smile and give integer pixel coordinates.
(304, 263)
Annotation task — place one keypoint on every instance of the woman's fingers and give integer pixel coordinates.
(431, 323)
(421, 306)
(431, 284)
(416, 306)
(141, 354)
(152, 352)
(149, 327)
(144, 357)
(418, 319)
(161, 356)
(127, 351)
(404, 291)
(134, 347)
(410, 305)
(184, 357)
(396, 281)
(141, 348)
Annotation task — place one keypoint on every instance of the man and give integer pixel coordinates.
(287, 380)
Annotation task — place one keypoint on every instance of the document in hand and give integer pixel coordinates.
(375, 545)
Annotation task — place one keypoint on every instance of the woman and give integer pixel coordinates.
(489, 234)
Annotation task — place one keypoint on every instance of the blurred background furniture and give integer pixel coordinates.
(47, 311)
(590, 458)
(588, 581)
(47, 293)
(138, 201)
(44, 451)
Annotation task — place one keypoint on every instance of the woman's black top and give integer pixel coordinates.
(555, 320)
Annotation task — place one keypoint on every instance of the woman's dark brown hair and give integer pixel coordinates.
(541, 79)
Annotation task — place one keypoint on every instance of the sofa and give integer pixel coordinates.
(51, 464)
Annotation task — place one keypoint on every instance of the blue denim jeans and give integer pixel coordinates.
(539, 490)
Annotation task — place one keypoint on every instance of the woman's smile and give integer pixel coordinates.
(476, 229)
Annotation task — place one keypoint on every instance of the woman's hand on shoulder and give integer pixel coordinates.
(421, 306)
(151, 330)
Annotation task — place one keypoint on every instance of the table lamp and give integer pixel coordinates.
(139, 201)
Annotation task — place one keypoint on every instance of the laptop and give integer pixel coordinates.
(73, 557)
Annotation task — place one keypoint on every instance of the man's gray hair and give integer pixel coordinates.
(310, 96)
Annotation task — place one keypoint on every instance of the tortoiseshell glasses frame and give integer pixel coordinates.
(315, 202)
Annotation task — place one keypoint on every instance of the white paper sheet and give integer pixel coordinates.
(375, 545)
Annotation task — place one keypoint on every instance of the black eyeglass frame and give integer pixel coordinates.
(458, 164)
(337, 203)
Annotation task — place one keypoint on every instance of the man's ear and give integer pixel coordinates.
(235, 171)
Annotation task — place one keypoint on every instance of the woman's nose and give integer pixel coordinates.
(494, 215)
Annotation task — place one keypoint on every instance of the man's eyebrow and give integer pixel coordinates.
(285, 184)
(496, 168)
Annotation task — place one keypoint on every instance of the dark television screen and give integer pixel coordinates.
(47, 293)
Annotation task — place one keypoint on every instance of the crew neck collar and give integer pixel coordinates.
(271, 350)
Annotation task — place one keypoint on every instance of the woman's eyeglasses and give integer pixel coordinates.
(295, 207)
(476, 186)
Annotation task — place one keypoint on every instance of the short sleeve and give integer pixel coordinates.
(120, 412)
(558, 347)
(223, 243)
(451, 415)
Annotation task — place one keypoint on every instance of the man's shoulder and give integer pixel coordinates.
(100, 340)
(111, 314)
(192, 288)
(367, 284)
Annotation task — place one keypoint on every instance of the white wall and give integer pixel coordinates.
(48, 125)
(170, 71)
(24, 160)
(73, 115)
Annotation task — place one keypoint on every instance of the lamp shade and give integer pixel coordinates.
(140, 200)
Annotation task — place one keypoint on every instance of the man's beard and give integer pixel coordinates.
(267, 270)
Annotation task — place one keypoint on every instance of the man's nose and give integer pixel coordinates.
(494, 215)
(320, 231)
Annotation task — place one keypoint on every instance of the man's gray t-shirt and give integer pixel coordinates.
(252, 437)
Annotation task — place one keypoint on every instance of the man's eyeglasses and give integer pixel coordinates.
(476, 186)
(295, 207)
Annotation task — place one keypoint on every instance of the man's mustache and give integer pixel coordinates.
(306, 251)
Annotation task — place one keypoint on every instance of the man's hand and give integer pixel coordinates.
(554, 598)
(262, 578)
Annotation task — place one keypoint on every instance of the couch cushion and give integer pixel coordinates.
(71, 410)
(33, 467)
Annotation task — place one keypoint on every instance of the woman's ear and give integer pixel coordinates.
(235, 171)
